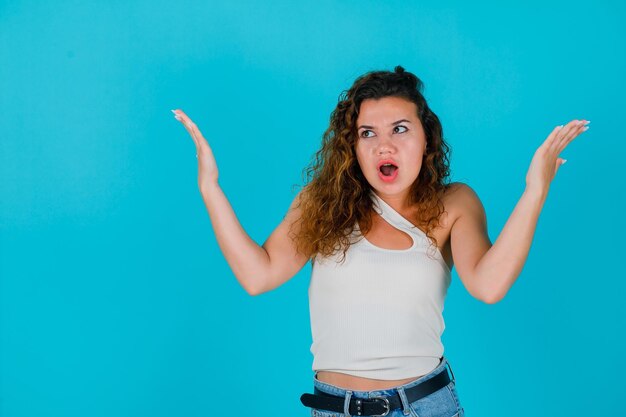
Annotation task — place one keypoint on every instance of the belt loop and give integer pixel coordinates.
(450, 368)
(404, 400)
(346, 404)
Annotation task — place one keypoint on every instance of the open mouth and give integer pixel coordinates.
(388, 170)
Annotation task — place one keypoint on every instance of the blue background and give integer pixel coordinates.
(115, 297)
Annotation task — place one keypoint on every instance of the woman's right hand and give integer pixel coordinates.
(207, 167)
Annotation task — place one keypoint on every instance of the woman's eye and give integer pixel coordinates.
(363, 133)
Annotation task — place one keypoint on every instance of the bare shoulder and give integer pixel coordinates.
(460, 199)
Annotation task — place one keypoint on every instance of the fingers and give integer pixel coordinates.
(191, 127)
(564, 134)
(552, 136)
(577, 127)
(186, 121)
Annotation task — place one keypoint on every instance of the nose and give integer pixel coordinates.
(385, 146)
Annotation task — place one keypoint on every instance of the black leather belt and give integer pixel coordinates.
(376, 406)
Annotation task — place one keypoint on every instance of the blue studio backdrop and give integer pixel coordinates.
(115, 298)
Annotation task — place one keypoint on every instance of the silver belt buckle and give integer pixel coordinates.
(386, 405)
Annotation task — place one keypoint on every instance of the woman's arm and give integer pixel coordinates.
(249, 262)
(257, 268)
(499, 264)
(488, 271)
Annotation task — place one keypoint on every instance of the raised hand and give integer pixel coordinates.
(546, 161)
(207, 167)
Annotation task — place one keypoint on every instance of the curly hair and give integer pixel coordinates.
(337, 195)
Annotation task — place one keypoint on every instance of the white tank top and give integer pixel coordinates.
(379, 314)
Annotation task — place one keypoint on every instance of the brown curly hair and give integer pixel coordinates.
(337, 195)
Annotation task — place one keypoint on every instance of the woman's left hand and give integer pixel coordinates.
(546, 161)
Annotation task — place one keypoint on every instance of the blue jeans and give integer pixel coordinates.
(441, 403)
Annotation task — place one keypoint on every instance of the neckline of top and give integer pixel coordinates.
(392, 216)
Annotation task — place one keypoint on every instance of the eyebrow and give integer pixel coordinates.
(393, 124)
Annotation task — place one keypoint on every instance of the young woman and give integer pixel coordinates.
(383, 229)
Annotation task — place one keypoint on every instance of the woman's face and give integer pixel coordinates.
(389, 130)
